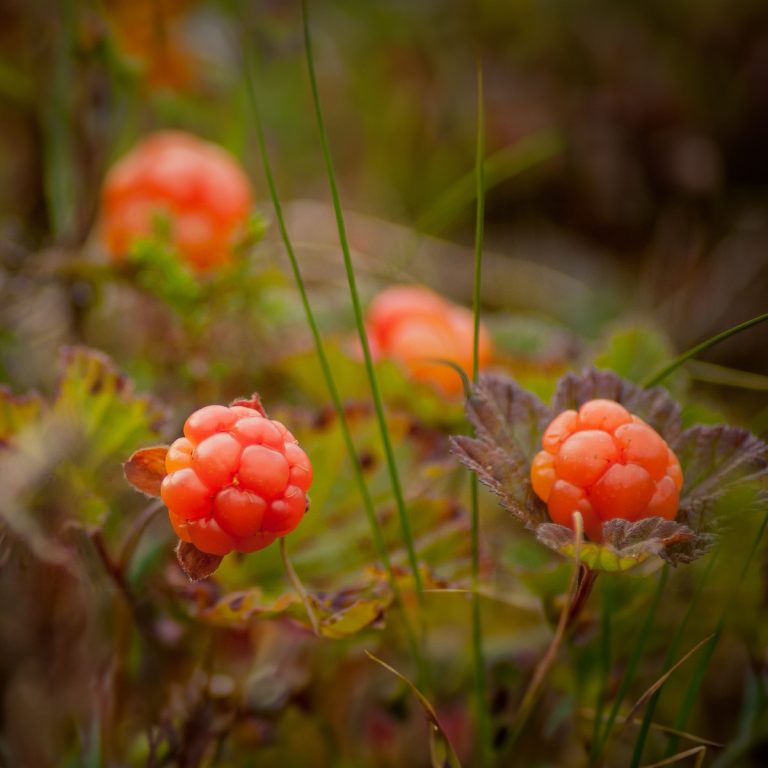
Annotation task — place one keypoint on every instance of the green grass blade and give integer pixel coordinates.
(701, 670)
(634, 660)
(478, 655)
(357, 471)
(658, 377)
(394, 475)
(669, 659)
(605, 666)
(497, 168)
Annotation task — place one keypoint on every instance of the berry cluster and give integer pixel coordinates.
(415, 326)
(606, 463)
(196, 184)
(236, 480)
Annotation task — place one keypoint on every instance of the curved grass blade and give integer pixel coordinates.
(658, 377)
(497, 168)
(478, 657)
(671, 652)
(378, 404)
(701, 753)
(629, 672)
(370, 512)
(442, 752)
(701, 670)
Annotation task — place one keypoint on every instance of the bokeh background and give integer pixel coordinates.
(626, 219)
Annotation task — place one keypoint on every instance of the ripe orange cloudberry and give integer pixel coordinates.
(415, 326)
(605, 463)
(197, 185)
(237, 480)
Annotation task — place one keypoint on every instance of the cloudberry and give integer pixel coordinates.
(417, 327)
(605, 463)
(197, 185)
(237, 480)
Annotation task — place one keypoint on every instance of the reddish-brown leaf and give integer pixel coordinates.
(196, 564)
(145, 469)
(254, 401)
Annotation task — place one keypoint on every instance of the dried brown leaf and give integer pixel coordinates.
(196, 565)
(145, 469)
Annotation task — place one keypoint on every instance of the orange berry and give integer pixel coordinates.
(584, 456)
(543, 474)
(665, 500)
(208, 420)
(238, 480)
(179, 525)
(641, 444)
(238, 511)
(264, 471)
(207, 536)
(565, 499)
(418, 328)
(623, 491)
(603, 414)
(286, 512)
(186, 494)
(606, 463)
(198, 185)
(217, 458)
(561, 428)
(674, 471)
(179, 455)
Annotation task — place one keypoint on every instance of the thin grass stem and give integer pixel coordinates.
(658, 377)
(532, 692)
(672, 651)
(394, 475)
(293, 577)
(605, 667)
(692, 692)
(634, 660)
(478, 655)
(376, 533)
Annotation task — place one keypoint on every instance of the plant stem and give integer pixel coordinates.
(478, 656)
(376, 533)
(582, 579)
(394, 476)
(299, 587)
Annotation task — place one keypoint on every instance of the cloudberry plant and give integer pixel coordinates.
(417, 327)
(605, 463)
(236, 480)
(197, 185)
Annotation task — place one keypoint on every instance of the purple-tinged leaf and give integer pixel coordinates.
(652, 405)
(715, 459)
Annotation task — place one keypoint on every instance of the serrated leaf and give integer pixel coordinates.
(627, 544)
(17, 412)
(652, 405)
(145, 469)
(508, 422)
(715, 459)
(102, 401)
(196, 565)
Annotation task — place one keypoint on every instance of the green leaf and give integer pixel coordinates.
(17, 412)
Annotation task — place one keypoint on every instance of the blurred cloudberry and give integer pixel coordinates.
(237, 480)
(203, 192)
(415, 326)
(605, 463)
